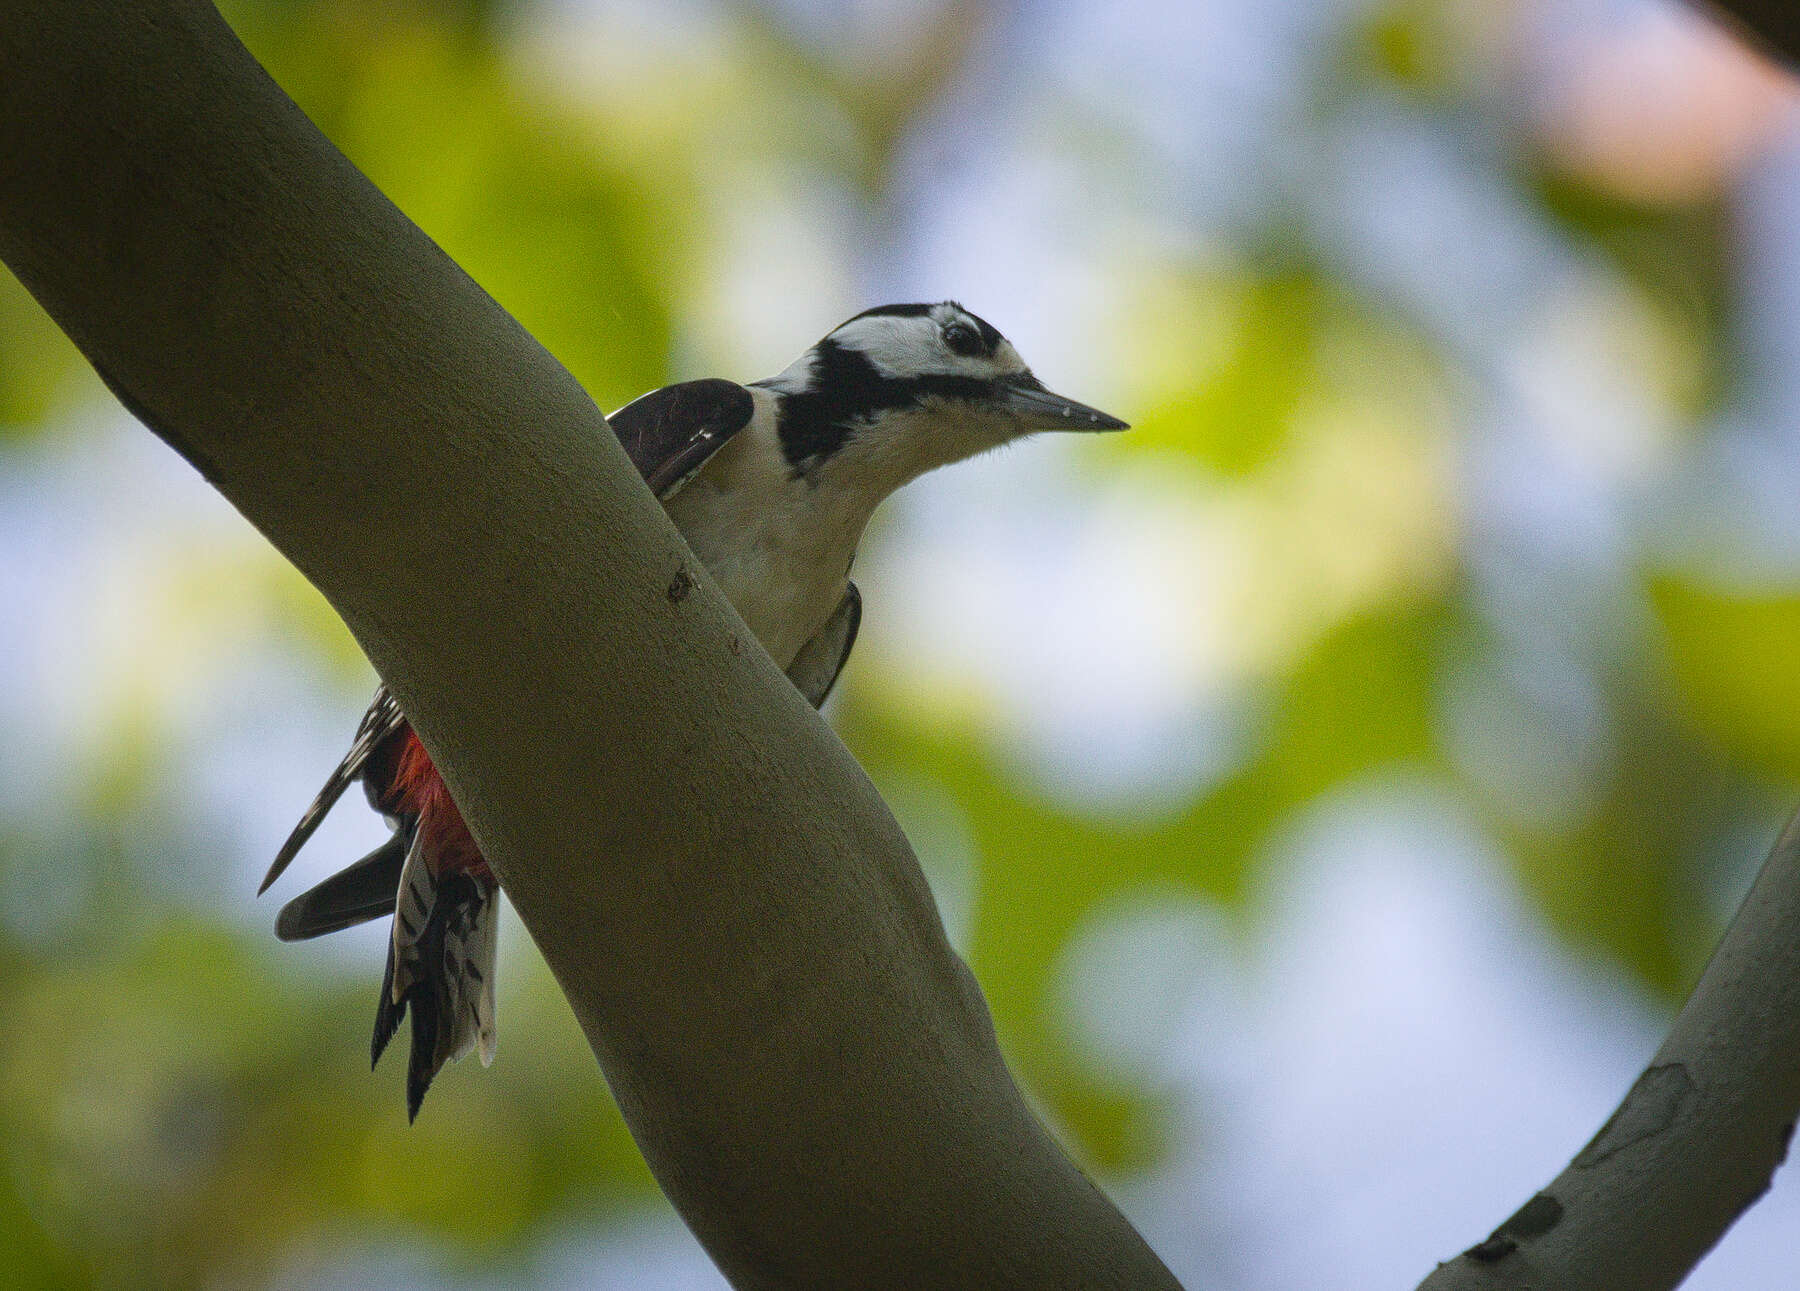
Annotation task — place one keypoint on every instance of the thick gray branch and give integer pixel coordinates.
(740, 927)
(1696, 1140)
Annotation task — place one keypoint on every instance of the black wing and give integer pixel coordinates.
(815, 669)
(382, 720)
(670, 433)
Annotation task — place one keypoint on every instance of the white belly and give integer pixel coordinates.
(784, 605)
(781, 557)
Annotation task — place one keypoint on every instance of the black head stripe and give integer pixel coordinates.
(847, 392)
(814, 422)
(890, 311)
(990, 335)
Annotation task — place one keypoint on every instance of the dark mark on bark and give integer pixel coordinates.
(1653, 1105)
(737, 647)
(1535, 1218)
(1491, 1251)
(680, 585)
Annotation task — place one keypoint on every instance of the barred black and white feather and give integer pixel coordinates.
(441, 961)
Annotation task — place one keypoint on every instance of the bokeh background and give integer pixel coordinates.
(1335, 782)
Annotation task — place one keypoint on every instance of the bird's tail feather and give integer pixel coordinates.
(364, 891)
(440, 967)
(378, 725)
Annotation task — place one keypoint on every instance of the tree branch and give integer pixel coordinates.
(1697, 1139)
(1773, 25)
(738, 923)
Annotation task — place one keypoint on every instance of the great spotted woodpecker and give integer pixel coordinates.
(771, 484)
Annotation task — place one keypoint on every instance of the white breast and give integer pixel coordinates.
(778, 547)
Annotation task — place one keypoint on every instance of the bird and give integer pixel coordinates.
(771, 484)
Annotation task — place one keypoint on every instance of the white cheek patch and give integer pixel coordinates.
(898, 346)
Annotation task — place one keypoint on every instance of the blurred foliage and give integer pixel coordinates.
(534, 208)
(1729, 652)
(183, 1102)
(1359, 701)
(1676, 255)
(37, 362)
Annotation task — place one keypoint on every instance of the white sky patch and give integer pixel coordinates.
(1407, 1018)
(777, 275)
(1100, 635)
(1727, 510)
(97, 523)
(1531, 731)
(146, 618)
(1047, 274)
(1140, 970)
(1599, 372)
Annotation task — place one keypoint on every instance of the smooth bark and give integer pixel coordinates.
(1695, 1141)
(738, 923)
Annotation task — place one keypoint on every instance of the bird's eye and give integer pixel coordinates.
(962, 339)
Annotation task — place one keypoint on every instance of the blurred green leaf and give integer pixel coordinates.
(1358, 701)
(1231, 400)
(37, 362)
(579, 248)
(33, 1260)
(1731, 657)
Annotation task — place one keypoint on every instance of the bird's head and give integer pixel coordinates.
(901, 389)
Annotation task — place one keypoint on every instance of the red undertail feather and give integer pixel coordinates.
(441, 958)
(431, 877)
(418, 790)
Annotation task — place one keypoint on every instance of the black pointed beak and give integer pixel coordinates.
(1039, 409)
